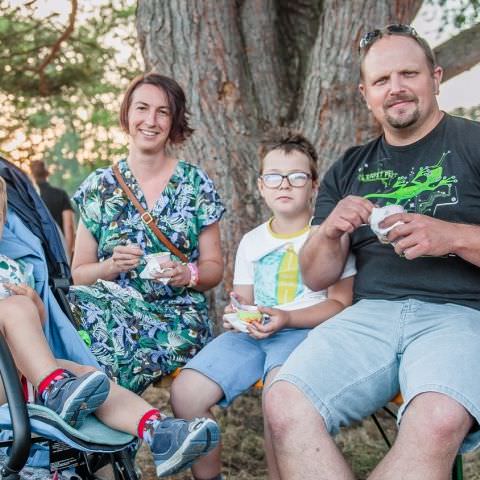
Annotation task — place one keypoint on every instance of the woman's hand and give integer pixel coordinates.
(29, 292)
(178, 274)
(279, 319)
(125, 258)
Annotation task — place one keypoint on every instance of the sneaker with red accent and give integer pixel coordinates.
(73, 398)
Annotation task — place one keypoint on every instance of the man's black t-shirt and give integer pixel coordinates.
(438, 176)
(56, 200)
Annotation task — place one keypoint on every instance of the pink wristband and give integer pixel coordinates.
(193, 275)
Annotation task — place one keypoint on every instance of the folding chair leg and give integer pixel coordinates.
(457, 472)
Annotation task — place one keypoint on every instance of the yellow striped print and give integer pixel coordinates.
(287, 276)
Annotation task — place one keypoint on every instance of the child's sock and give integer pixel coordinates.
(148, 423)
(48, 380)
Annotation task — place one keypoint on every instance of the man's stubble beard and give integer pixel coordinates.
(403, 122)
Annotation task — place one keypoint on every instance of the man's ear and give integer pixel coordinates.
(361, 89)
(437, 79)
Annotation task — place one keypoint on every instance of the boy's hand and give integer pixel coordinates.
(279, 319)
(29, 292)
(239, 299)
(226, 324)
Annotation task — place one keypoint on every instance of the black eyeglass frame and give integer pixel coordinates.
(393, 29)
(308, 176)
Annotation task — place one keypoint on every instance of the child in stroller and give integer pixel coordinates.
(74, 390)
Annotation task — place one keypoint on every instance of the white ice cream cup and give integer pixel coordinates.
(378, 215)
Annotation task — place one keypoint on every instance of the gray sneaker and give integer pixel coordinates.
(73, 398)
(178, 443)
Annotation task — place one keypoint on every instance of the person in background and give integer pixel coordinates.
(58, 204)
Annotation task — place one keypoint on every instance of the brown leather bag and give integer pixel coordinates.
(147, 217)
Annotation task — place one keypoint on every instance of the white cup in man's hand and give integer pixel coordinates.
(381, 213)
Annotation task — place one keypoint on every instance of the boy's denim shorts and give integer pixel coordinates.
(354, 363)
(236, 361)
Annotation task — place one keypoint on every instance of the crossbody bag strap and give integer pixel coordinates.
(146, 217)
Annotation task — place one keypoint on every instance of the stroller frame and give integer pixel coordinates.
(22, 197)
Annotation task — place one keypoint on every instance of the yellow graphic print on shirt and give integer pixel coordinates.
(288, 276)
(277, 277)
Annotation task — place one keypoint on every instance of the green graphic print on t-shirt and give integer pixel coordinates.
(422, 191)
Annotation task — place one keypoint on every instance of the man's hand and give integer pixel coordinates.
(279, 319)
(350, 213)
(29, 292)
(420, 235)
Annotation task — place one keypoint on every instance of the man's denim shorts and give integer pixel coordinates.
(236, 361)
(354, 363)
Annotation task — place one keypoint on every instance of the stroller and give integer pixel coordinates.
(32, 234)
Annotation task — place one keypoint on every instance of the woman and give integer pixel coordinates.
(140, 329)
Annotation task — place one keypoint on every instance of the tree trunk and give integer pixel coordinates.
(251, 65)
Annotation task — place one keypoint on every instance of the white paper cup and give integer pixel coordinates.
(378, 215)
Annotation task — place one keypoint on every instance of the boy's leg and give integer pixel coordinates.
(72, 398)
(225, 368)
(189, 385)
(175, 443)
(21, 327)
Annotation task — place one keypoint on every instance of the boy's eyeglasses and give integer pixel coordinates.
(295, 179)
(394, 29)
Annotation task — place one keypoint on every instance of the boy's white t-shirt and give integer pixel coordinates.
(269, 262)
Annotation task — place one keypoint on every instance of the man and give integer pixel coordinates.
(415, 326)
(57, 202)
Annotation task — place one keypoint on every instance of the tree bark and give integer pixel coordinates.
(251, 65)
(459, 53)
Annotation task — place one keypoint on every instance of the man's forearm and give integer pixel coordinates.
(466, 243)
(322, 259)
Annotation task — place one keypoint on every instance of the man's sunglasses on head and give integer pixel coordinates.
(393, 29)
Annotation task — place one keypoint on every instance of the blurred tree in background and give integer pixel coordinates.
(62, 73)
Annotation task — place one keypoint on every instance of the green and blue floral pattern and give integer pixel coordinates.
(141, 329)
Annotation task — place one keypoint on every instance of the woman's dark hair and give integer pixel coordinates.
(287, 141)
(180, 130)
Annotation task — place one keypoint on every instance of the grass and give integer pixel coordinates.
(242, 430)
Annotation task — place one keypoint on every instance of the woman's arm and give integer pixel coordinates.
(86, 269)
(210, 261)
(68, 219)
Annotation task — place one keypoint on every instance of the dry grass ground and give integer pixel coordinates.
(243, 451)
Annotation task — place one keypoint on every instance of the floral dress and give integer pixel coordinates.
(140, 329)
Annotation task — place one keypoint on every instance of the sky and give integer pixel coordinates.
(459, 91)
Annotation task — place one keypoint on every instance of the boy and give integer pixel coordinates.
(74, 391)
(267, 274)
